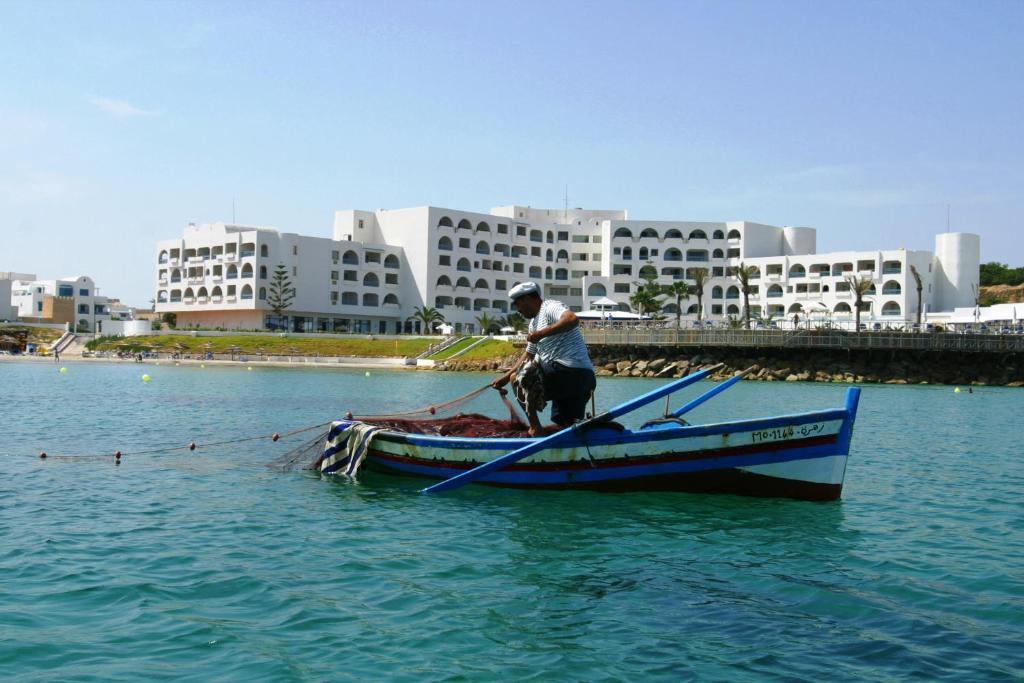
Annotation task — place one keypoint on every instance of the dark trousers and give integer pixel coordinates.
(568, 389)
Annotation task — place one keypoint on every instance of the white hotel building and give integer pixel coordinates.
(381, 265)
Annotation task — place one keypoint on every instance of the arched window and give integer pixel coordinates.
(732, 293)
(202, 293)
(247, 270)
(718, 253)
(350, 258)
(190, 293)
(698, 235)
(391, 261)
(371, 280)
(175, 296)
(643, 254)
(217, 292)
(648, 272)
(692, 310)
(561, 274)
(443, 281)
(370, 300)
(797, 270)
(161, 296)
(463, 265)
(483, 227)
(175, 275)
(892, 287)
(464, 225)
(482, 248)
(547, 273)
(445, 221)
(597, 289)
(649, 232)
(718, 235)
(462, 282)
(163, 257)
(734, 234)
(623, 232)
(842, 307)
(549, 256)
(550, 237)
(716, 292)
(246, 292)
(891, 308)
(444, 244)
(562, 255)
(669, 308)
(732, 309)
(795, 308)
(264, 250)
(673, 254)
(263, 272)
(263, 293)
(482, 284)
(535, 272)
(775, 291)
(390, 299)
(232, 272)
(672, 233)
(840, 268)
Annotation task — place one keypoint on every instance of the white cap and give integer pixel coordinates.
(522, 289)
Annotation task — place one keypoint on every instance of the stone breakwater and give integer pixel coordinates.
(781, 365)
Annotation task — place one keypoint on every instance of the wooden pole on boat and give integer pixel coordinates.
(711, 393)
(526, 451)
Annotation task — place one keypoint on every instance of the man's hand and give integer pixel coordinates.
(502, 381)
(535, 337)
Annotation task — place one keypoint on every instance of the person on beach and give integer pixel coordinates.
(555, 366)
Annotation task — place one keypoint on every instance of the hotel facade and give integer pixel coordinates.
(380, 266)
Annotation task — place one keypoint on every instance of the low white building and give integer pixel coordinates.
(380, 266)
(73, 300)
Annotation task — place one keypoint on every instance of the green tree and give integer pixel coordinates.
(860, 286)
(515, 321)
(428, 317)
(487, 323)
(700, 278)
(745, 274)
(995, 273)
(281, 293)
(679, 290)
(646, 300)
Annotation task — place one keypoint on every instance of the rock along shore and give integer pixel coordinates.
(783, 365)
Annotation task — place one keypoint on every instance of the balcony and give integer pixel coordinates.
(230, 299)
(162, 281)
(188, 300)
(230, 256)
(216, 299)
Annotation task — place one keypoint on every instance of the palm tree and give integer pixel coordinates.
(486, 323)
(680, 290)
(917, 280)
(860, 287)
(515, 321)
(428, 316)
(744, 273)
(645, 300)
(700, 278)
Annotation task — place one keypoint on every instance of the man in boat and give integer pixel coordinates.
(555, 352)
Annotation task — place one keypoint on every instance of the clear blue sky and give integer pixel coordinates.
(122, 122)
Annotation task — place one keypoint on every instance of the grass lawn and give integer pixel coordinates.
(270, 344)
(454, 348)
(492, 348)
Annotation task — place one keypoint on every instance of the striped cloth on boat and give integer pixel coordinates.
(346, 447)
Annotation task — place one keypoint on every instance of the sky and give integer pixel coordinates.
(122, 122)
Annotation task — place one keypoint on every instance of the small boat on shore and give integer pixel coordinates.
(800, 456)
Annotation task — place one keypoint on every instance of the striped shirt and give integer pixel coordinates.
(567, 348)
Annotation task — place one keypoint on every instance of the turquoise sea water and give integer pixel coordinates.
(211, 566)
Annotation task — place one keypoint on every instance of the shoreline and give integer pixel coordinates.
(295, 365)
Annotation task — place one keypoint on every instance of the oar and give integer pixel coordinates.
(535, 447)
(711, 393)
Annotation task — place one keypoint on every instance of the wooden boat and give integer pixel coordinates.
(799, 456)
